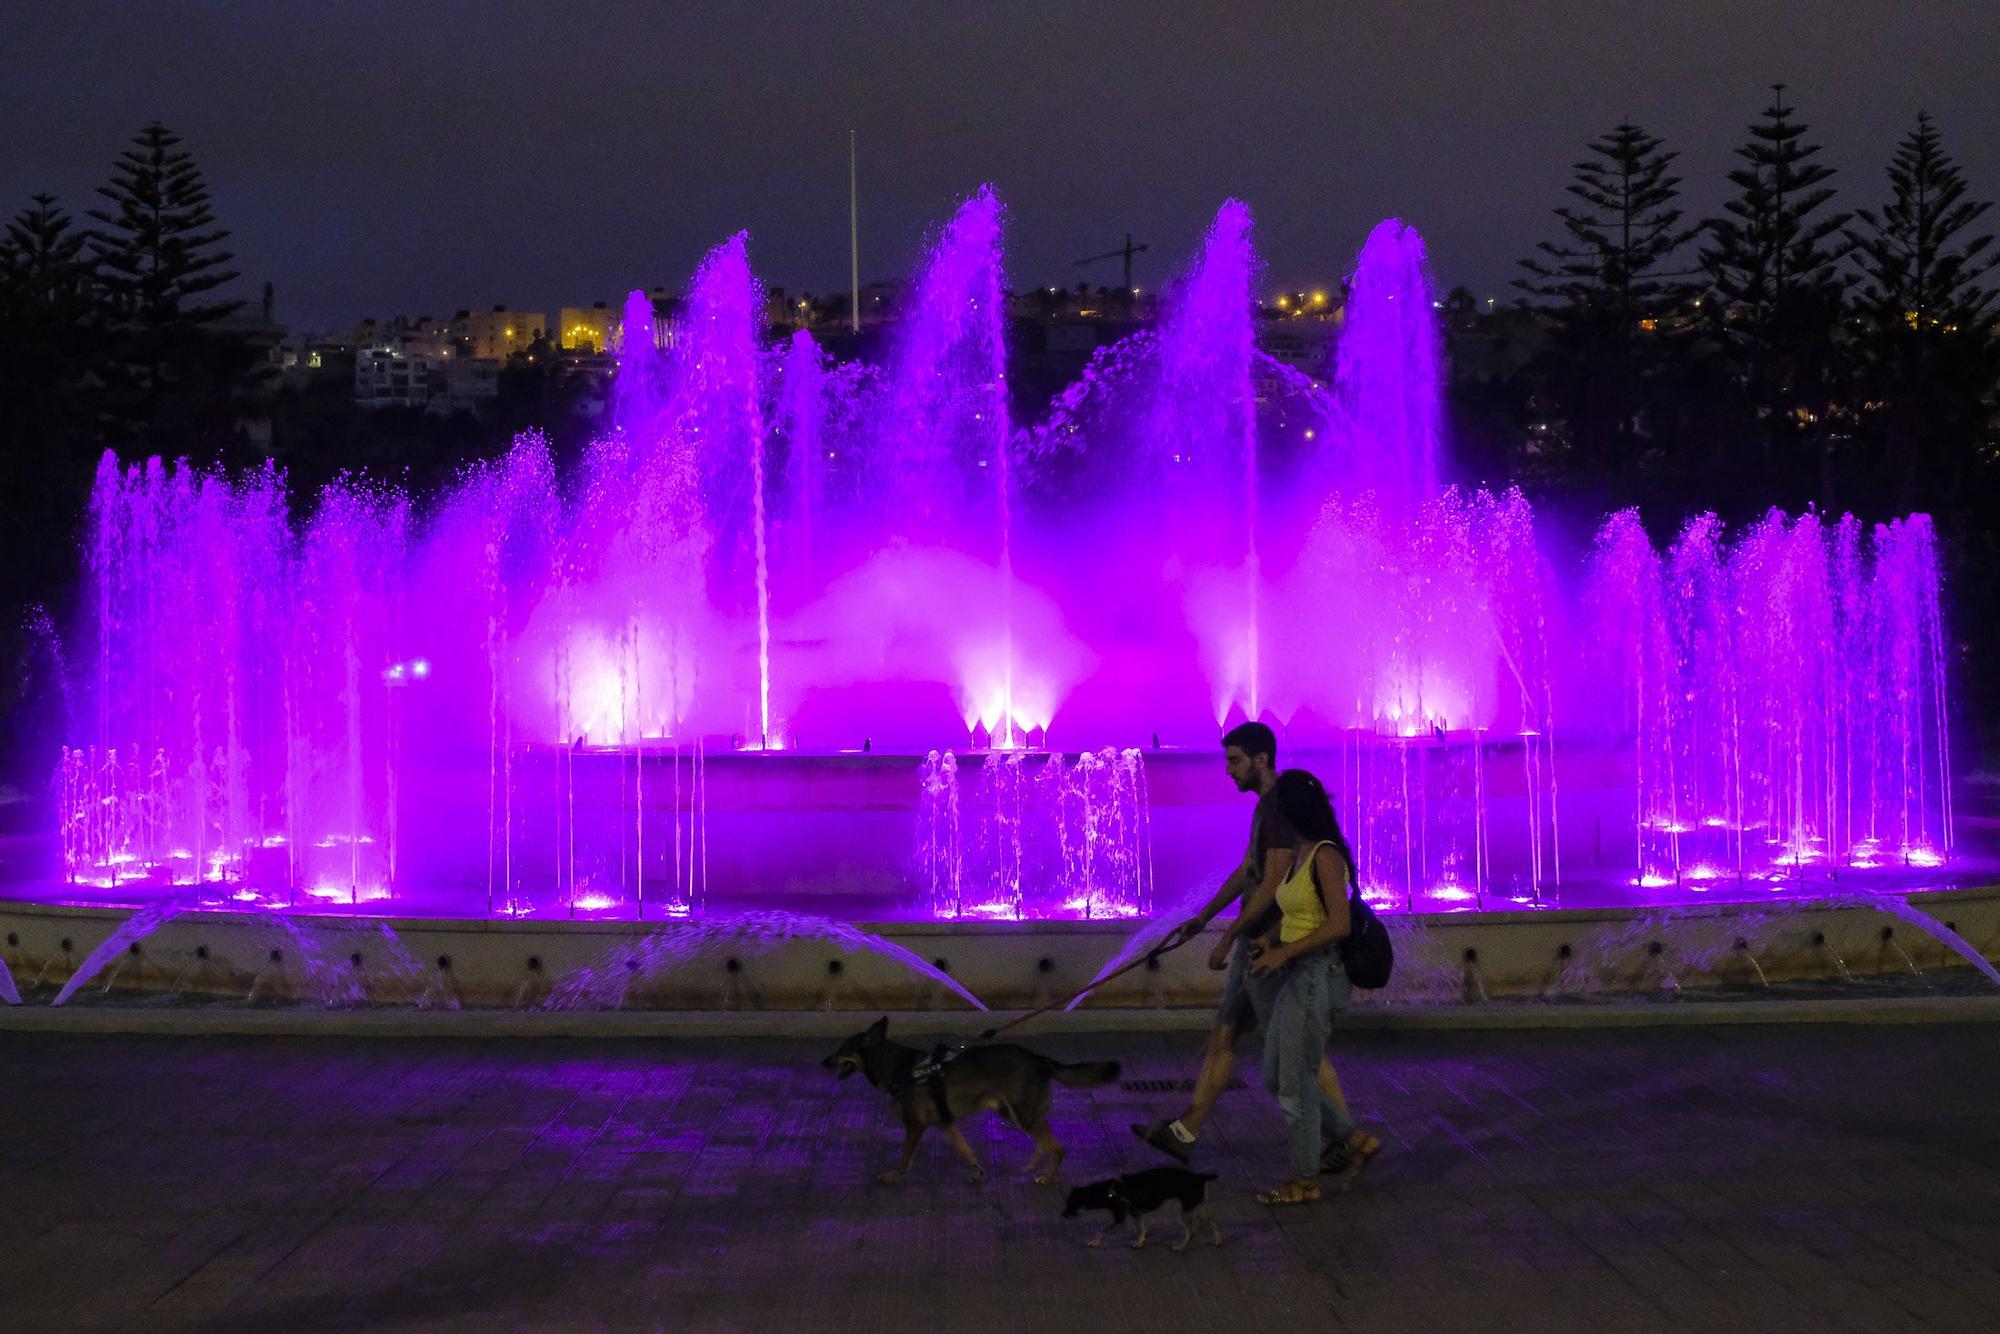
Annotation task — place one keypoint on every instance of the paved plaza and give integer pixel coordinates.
(1746, 1177)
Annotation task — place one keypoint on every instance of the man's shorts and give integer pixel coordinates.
(1245, 999)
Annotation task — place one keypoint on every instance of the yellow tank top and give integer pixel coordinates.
(1299, 900)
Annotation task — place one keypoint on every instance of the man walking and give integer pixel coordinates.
(1250, 755)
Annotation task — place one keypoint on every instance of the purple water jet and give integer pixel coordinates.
(841, 635)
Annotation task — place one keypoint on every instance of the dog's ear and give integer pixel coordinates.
(877, 1030)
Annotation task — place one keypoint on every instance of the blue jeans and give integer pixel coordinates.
(1246, 1000)
(1310, 992)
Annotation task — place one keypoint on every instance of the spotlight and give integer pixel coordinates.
(534, 963)
(444, 962)
(834, 967)
(201, 951)
(1045, 965)
(1471, 954)
(733, 966)
(277, 956)
(941, 965)
(1563, 951)
(354, 959)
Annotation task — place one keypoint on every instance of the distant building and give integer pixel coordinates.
(592, 328)
(385, 378)
(499, 333)
(421, 363)
(464, 384)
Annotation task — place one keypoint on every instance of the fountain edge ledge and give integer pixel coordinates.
(1012, 965)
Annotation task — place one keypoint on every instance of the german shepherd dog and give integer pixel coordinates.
(1137, 1194)
(940, 1088)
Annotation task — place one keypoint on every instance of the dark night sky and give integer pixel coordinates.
(382, 158)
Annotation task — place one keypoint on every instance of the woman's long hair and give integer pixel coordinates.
(1309, 811)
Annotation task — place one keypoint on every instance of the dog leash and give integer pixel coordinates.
(1148, 957)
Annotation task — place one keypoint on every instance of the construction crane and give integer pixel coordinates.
(1127, 252)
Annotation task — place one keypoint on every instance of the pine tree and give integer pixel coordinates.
(156, 255)
(1617, 260)
(1918, 272)
(47, 344)
(1928, 319)
(1775, 285)
(1614, 285)
(42, 270)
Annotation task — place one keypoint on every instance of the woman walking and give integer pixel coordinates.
(1303, 969)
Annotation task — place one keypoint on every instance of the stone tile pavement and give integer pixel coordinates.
(1742, 1177)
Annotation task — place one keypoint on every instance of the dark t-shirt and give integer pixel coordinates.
(1270, 832)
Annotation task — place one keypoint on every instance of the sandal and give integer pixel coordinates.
(1292, 1192)
(1345, 1162)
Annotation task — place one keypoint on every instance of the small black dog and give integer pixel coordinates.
(1137, 1194)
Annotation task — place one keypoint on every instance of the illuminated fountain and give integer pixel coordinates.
(842, 637)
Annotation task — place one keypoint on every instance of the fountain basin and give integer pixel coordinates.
(1012, 965)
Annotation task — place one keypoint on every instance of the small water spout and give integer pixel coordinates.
(1889, 942)
(1942, 931)
(1742, 946)
(1656, 964)
(132, 930)
(440, 988)
(133, 959)
(532, 980)
(1825, 947)
(1474, 989)
(274, 966)
(1560, 976)
(835, 985)
(64, 952)
(197, 963)
(604, 984)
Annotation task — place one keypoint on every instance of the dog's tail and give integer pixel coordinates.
(1083, 1074)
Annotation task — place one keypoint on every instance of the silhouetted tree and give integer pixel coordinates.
(1614, 283)
(1927, 319)
(157, 256)
(46, 346)
(1775, 288)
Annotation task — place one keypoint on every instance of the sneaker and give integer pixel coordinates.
(1345, 1162)
(1162, 1137)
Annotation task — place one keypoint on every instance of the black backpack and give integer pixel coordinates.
(1365, 951)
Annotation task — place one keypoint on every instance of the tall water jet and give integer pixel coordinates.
(720, 401)
(802, 410)
(947, 423)
(1202, 427)
(1389, 374)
